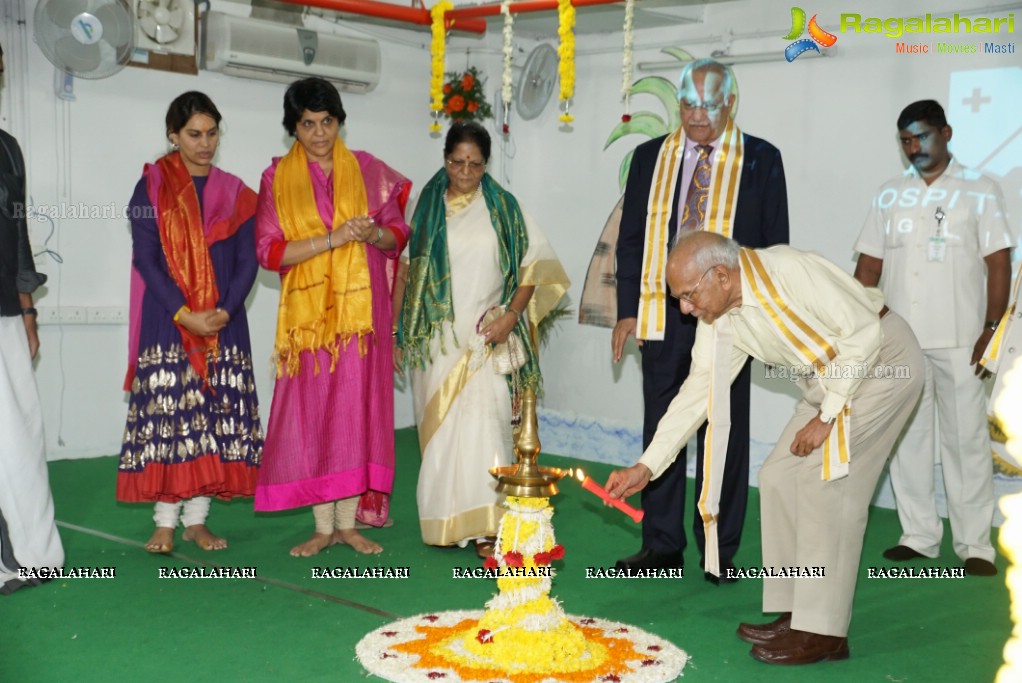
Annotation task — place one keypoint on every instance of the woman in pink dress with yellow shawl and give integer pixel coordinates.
(329, 220)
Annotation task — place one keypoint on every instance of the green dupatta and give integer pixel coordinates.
(427, 300)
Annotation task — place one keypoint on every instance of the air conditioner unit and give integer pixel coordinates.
(267, 51)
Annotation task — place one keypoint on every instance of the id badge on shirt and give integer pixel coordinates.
(937, 250)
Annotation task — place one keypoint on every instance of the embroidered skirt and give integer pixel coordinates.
(182, 440)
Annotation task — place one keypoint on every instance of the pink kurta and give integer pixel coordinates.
(331, 434)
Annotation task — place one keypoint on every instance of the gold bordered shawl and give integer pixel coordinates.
(800, 333)
(991, 356)
(326, 300)
(725, 176)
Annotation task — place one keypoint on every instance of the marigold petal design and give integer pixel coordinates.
(425, 648)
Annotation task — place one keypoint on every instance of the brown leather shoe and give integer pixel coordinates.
(976, 566)
(801, 647)
(760, 634)
(902, 553)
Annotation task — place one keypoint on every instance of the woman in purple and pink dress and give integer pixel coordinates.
(193, 429)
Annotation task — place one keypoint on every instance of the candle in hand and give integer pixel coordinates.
(589, 485)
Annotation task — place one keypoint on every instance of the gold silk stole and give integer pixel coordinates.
(991, 356)
(326, 300)
(796, 329)
(725, 176)
(183, 239)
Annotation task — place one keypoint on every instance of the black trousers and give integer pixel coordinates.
(665, 365)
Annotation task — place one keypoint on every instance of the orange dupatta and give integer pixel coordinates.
(186, 246)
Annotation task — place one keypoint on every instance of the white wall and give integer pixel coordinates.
(833, 120)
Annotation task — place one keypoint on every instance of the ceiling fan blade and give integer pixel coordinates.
(145, 8)
(149, 26)
(176, 17)
(548, 66)
(63, 13)
(75, 56)
(166, 34)
(116, 25)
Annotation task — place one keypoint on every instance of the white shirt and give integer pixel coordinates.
(943, 302)
(842, 310)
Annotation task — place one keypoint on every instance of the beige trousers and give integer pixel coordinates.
(954, 399)
(808, 522)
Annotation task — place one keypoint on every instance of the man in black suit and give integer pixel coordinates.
(714, 178)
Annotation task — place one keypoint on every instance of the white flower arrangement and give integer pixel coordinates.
(506, 92)
(626, 57)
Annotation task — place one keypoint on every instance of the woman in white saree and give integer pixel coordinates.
(472, 250)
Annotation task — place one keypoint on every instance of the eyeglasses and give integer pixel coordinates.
(710, 107)
(687, 296)
(473, 166)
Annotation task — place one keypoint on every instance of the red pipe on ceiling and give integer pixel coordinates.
(521, 7)
(383, 10)
(465, 19)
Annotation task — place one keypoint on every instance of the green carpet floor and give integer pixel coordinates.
(287, 626)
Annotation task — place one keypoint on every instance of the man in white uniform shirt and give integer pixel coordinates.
(862, 374)
(937, 242)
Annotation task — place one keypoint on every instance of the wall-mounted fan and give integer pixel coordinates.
(537, 81)
(165, 26)
(86, 38)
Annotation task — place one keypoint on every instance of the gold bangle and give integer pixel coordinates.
(517, 313)
(183, 309)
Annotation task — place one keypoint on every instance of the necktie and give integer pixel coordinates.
(695, 204)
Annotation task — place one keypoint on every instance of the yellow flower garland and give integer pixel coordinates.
(437, 50)
(566, 52)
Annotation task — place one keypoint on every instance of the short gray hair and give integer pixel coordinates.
(705, 64)
(714, 249)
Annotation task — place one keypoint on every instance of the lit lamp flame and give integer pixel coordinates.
(589, 485)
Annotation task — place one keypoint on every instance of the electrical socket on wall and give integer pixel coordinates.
(63, 315)
(48, 315)
(82, 315)
(107, 315)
